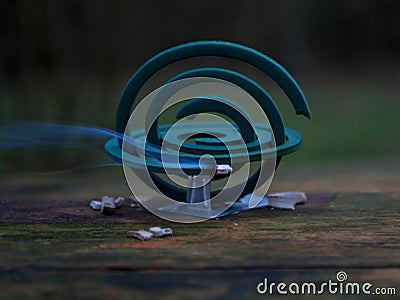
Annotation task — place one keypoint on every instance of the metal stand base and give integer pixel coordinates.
(199, 189)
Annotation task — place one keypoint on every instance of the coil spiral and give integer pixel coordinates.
(223, 117)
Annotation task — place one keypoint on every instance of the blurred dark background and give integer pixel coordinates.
(68, 61)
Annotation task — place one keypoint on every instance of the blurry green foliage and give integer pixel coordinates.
(68, 61)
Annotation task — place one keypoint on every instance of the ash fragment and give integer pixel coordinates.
(95, 205)
(159, 232)
(119, 202)
(153, 232)
(142, 235)
(108, 206)
(286, 200)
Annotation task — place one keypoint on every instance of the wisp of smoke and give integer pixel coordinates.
(28, 135)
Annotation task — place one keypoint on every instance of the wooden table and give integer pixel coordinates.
(55, 246)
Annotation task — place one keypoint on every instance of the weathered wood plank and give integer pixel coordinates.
(48, 243)
(330, 234)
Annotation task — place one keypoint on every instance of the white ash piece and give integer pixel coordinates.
(119, 202)
(142, 235)
(153, 232)
(223, 169)
(167, 232)
(286, 200)
(107, 205)
(159, 232)
(95, 205)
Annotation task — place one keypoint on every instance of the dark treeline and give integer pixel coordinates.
(71, 50)
(112, 35)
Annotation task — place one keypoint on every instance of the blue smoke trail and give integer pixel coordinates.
(28, 135)
(38, 134)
